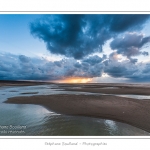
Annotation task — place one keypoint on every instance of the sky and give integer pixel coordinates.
(75, 48)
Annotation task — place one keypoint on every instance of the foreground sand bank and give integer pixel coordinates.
(131, 111)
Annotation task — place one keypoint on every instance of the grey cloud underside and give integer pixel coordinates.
(135, 72)
(78, 36)
(13, 67)
(130, 45)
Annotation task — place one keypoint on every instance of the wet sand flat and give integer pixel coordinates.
(138, 89)
(127, 110)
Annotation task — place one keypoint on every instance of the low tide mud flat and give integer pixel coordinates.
(91, 100)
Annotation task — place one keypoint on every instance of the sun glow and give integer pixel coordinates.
(75, 80)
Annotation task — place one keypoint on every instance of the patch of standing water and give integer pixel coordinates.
(135, 96)
(7, 92)
(110, 88)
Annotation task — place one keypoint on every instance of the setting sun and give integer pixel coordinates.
(75, 80)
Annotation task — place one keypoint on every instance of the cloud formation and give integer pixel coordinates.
(130, 44)
(121, 69)
(128, 69)
(78, 36)
(14, 67)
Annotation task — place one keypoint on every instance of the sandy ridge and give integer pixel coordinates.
(131, 111)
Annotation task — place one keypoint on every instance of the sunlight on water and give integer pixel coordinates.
(135, 96)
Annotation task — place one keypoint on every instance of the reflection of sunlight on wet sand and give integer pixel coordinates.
(75, 80)
(111, 125)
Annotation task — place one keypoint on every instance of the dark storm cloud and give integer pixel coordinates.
(130, 45)
(69, 35)
(129, 22)
(80, 35)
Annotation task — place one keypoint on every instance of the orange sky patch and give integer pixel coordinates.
(75, 80)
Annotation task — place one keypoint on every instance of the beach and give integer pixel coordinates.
(131, 111)
(109, 88)
(20, 83)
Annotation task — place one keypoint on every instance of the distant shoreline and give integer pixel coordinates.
(119, 88)
(105, 88)
(21, 83)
